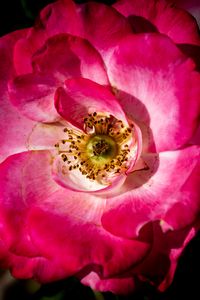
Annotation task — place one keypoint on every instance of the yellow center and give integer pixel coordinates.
(101, 151)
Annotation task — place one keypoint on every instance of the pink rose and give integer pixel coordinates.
(99, 153)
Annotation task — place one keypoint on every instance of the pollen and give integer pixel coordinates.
(100, 151)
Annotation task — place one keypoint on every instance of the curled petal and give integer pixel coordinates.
(119, 286)
(82, 96)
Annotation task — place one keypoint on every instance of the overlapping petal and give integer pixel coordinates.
(152, 193)
(161, 16)
(156, 88)
(32, 203)
(65, 16)
(60, 58)
(119, 286)
(81, 97)
(192, 6)
(15, 128)
(119, 62)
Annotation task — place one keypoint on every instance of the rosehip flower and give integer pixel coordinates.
(99, 153)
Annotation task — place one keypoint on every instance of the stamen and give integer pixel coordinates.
(103, 150)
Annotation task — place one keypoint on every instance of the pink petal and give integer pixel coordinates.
(174, 256)
(159, 90)
(192, 6)
(153, 15)
(150, 194)
(61, 57)
(159, 266)
(15, 129)
(69, 56)
(33, 96)
(186, 202)
(51, 227)
(65, 16)
(81, 97)
(195, 140)
(118, 286)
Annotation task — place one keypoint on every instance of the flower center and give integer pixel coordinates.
(101, 148)
(101, 151)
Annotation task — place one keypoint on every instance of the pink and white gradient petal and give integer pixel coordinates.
(60, 58)
(15, 128)
(146, 195)
(162, 87)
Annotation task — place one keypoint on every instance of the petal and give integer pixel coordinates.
(153, 15)
(196, 138)
(50, 227)
(174, 258)
(61, 57)
(45, 136)
(192, 6)
(152, 192)
(70, 56)
(33, 96)
(81, 97)
(118, 286)
(159, 266)
(186, 203)
(74, 252)
(15, 129)
(157, 89)
(65, 16)
(75, 181)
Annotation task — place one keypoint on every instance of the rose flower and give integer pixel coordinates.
(99, 153)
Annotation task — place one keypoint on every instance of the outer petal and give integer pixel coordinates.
(15, 129)
(159, 267)
(65, 16)
(159, 15)
(53, 227)
(192, 6)
(67, 56)
(119, 286)
(153, 193)
(186, 203)
(33, 96)
(174, 257)
(161, 89)
(82, 96)
(61, 57)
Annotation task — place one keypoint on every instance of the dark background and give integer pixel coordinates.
(17, 14)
